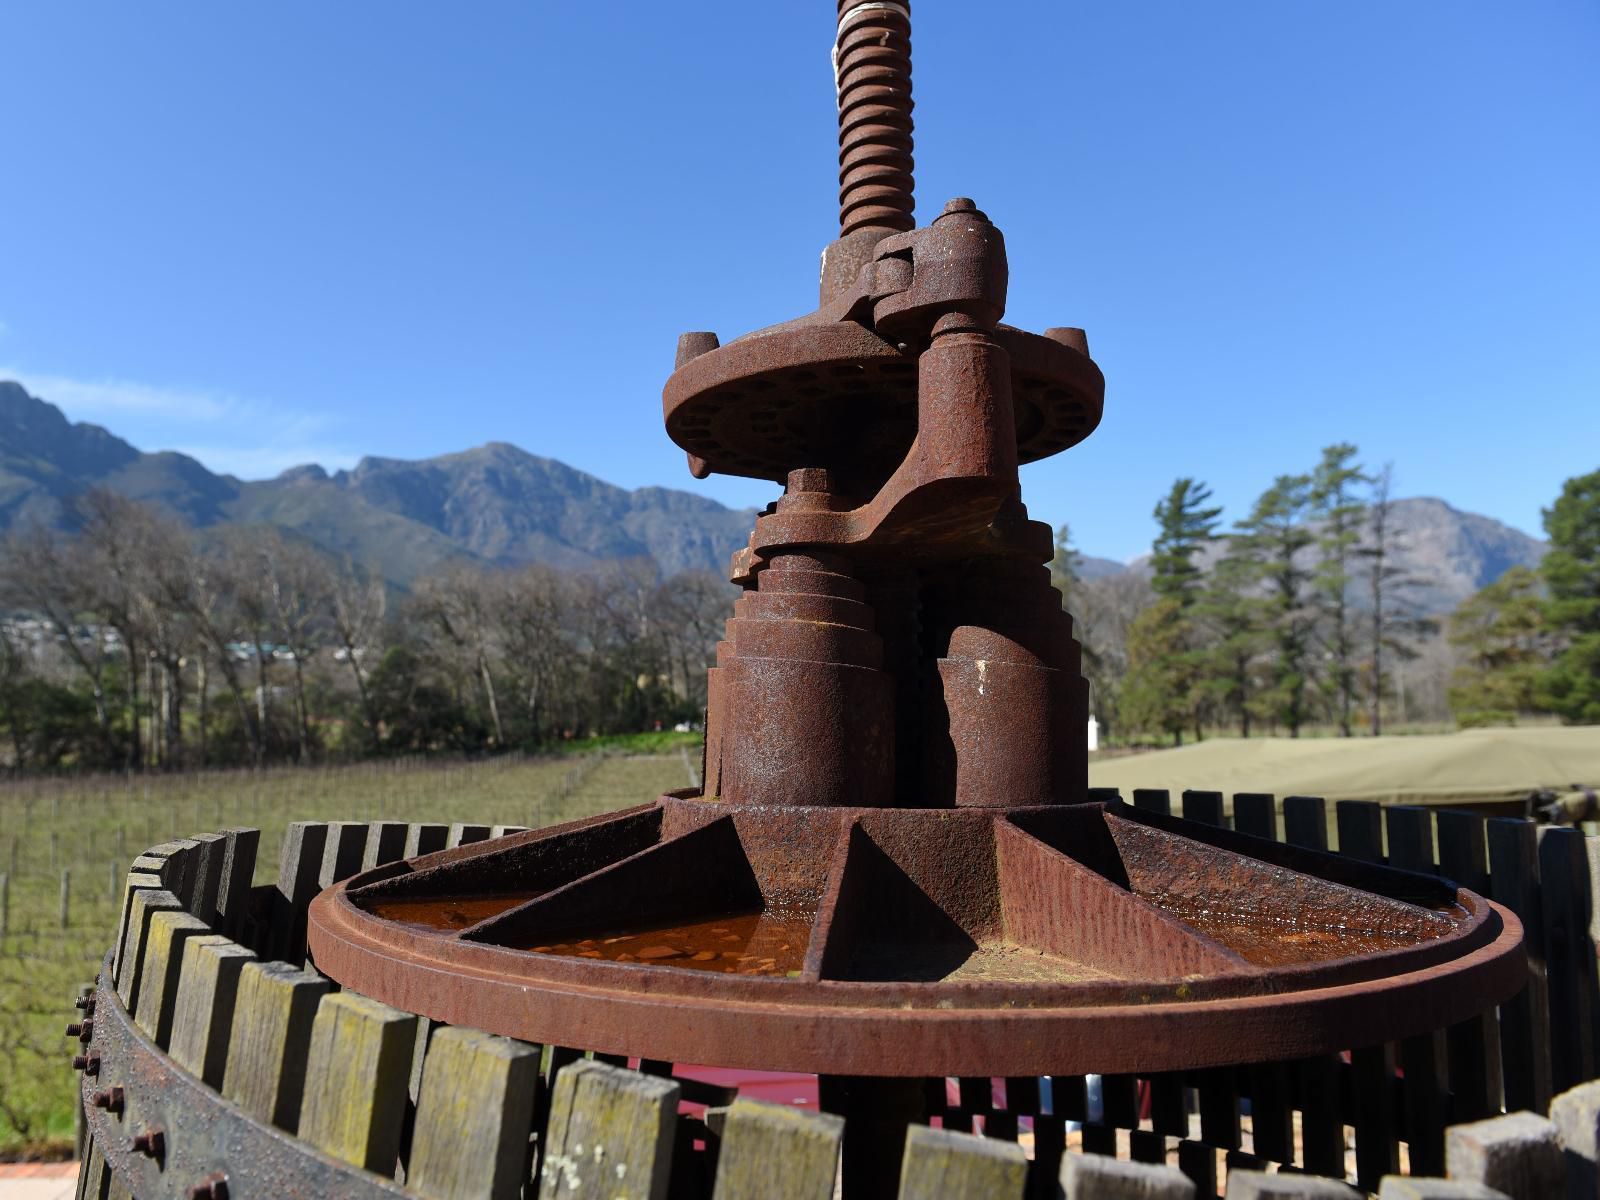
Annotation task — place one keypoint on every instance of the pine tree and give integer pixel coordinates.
(1186, 526)
(1159, 693)
(1273, 538)
(1571, 685)
(1500, 629)
(1234, 616)
(1064, 565)
(1339, 515)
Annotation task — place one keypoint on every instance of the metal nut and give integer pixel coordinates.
(152, 1142)
(212, 1187)
(109, 1099)
(89, 1064)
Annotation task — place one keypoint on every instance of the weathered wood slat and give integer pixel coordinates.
(1360, 825)
(299, 864)
(1399, 1187)
(1256, 813)
(1473, 1046)
(609, 1136)
(773, 1152)
(138, 879)
(355, 1089)
(1377, 1133)
(142, 905)
(465, 833)
(1254, 1185)
(1092, 1176)
(386, 843)
(202, 1022)
(1204, 807)
(1156, 800)
(1518, 1154)
(941, 1164)
(1321, 1121)
(1525, 1018)
(272, 1017)
(474, 1113)
(424, 839)
(1568, 895)
(238, 873)
(157, 997)
(210, 851)
(1305, 822)
(342, 851)
(1576, 1115)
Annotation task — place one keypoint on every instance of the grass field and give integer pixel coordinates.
(88, 830)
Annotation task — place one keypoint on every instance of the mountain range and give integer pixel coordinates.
(499, 505)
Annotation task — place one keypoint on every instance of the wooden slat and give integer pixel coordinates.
(464, 834)
(1321, 1121)
(272, 1017)
(1426, 1101)
(143, 904)
(1254, 1185)
(474, 1113)
(941, 1164)
(610, 1134)
(1360, 824)
(1204, 807)
(1271, 1112)
(202, 1022)
(1525, 1018)
(386, 843)
(1568, 895)
(1168, 1112)
(1197, 1162)
(1576, 1115)
(1376, 1131)
(299, 864)
(137, 880)
(210, 851)
(1472, 1046)
(1256, 813)
(1156, 800)
(238, 872)
(1519, 1154)
(342, 851)
(355, 1089)
(1399, 1187)
(157, 997)
(1410, 829)
(777, 1152)
(1305, 822)
(425, 839)
(1218, 1097)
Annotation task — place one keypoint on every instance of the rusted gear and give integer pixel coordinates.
(894, 867)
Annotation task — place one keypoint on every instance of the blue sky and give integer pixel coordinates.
(275, 233)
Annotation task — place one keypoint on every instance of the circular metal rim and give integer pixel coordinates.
(984, 1040)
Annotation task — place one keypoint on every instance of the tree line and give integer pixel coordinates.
(1304, 613)
(139, 643)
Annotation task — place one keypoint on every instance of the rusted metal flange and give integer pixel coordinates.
(1040, 940)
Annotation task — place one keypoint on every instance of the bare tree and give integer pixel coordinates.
(457, 605)
(359, 602)
(49, 576)
(298, 586)
(1394, 622)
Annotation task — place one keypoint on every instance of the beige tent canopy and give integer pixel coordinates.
(1476, 767)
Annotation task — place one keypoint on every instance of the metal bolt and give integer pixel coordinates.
(212, 1187)
(86, 1003)
(959, 205)
(75, 1030)
(109, 1099)
(152, 1142)
(86, 1032)
(89, 1064)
